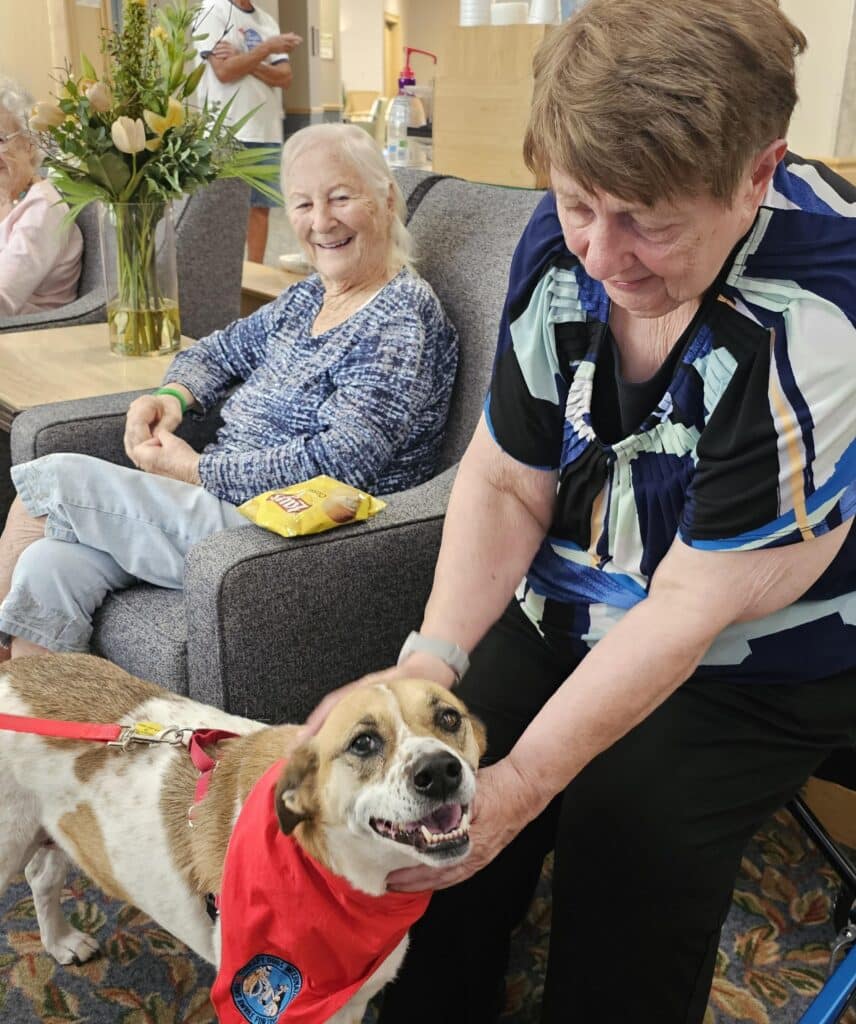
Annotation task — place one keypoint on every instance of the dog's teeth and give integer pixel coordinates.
(465, 823)
(426, 835)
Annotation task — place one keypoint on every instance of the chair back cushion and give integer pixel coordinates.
(211, 229)
(465, 235)
(91, 273)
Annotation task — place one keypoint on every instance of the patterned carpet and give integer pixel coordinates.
(772, 959)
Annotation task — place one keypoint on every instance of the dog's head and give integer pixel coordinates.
(394, 764)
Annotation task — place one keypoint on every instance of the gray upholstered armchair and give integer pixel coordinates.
(210, 229)
(264, 626)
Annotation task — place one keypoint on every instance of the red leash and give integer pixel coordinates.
(63, 730)
(124, 736)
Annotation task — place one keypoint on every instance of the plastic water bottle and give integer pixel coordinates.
(397, 118)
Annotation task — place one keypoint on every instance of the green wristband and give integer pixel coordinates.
(182, 401)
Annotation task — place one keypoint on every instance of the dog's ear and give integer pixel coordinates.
(295, 798)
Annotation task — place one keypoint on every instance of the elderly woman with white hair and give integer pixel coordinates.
(40, 254)
(349, 373)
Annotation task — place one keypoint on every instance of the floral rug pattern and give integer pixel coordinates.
(772, 959)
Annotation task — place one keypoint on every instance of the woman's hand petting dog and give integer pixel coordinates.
(416, 667)
(501, 808)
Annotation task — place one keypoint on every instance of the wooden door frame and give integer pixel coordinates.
(63, 33)
(391, 23)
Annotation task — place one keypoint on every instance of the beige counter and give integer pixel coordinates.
(261, 283)
(482, 97)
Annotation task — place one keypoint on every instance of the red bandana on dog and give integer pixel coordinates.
(297, 940)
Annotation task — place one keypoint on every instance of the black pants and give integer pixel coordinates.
(648, 841)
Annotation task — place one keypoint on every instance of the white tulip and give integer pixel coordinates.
(129, 134)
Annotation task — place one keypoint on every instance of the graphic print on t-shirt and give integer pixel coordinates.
(251, 38)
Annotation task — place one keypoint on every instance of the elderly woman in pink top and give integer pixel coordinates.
(39, 254)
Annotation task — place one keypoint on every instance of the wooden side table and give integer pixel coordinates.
(63, 363)
(261, 283)
(59, 364)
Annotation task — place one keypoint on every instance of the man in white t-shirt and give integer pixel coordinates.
(246, 56)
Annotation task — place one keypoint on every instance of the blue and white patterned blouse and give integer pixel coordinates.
(365, 402)
(752, 445)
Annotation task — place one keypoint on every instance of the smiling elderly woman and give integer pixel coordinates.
(40, 255)
(658, 593)
(348, 373)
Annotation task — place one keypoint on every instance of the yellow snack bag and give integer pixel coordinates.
(310, 507)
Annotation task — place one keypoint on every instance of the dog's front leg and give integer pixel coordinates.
(46, 872)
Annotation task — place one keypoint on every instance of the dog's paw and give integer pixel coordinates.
(73, 947)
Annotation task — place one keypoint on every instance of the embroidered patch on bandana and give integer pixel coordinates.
(264, 987)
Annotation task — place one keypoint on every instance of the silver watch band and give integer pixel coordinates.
(450, 654)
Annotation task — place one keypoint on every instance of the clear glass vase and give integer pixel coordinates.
(138, 254)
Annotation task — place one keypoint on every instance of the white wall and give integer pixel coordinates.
(827, 25)
(361, 38)
(845, 143)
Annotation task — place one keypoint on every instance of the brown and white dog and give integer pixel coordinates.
(386, 783)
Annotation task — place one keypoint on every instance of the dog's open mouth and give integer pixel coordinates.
(442, 831)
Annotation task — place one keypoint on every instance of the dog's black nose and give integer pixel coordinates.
(437, 775)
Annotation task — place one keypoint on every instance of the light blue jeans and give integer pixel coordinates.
(107, 527)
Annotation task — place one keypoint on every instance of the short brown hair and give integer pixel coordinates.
(652, 99)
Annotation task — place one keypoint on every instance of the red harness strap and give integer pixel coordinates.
(199, 739)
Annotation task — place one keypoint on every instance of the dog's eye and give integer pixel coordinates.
(365, 744)
(448, 719)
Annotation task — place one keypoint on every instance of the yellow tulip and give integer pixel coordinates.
(129, 135)
(46, 115)
(174, 118)
(100, 97)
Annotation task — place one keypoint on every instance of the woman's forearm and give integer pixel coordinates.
(493, 528)
(694, 596)
(633, 669)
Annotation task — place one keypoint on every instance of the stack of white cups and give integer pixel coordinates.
(509, 13)
(475, 12)
(545, 12)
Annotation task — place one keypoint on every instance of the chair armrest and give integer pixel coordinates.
(88, 309)
(92, 426)
(273, 624)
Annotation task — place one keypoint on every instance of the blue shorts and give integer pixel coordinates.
(259, 198)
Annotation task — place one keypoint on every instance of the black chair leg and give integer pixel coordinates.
(820, 837)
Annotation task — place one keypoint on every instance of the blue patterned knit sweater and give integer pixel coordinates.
(365, 402)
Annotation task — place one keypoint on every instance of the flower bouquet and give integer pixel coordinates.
(133, 140)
